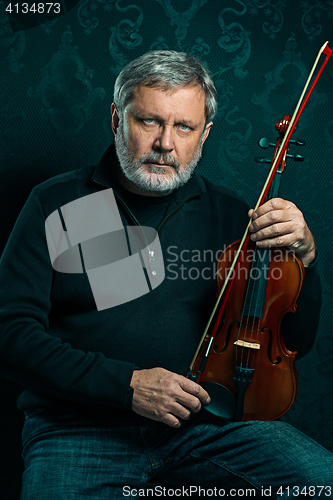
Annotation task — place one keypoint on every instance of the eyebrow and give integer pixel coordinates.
(155, 116)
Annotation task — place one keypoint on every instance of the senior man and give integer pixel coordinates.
(109, 409)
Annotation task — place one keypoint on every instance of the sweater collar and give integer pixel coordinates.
(105, 175)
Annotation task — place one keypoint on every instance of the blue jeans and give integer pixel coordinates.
(71, 458)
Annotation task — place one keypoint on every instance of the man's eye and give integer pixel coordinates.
(149, 121)
(183, 127)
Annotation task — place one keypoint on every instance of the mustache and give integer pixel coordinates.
(165, 159)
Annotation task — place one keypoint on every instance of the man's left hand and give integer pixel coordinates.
(279, 223)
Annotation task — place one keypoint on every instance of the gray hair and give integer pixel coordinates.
(165, 69)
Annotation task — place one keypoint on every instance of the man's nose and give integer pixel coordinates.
(164, 142)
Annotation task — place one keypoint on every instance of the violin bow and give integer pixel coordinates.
(226, 288)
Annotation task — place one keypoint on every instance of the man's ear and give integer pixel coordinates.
(206, 131)
(115, 118)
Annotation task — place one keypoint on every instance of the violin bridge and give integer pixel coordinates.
(250, 345)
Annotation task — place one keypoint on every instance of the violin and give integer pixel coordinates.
(242, 361)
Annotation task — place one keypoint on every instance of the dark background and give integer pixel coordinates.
(56, 84)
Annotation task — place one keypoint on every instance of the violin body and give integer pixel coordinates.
(248, 343)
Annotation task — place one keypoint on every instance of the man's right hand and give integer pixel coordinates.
(166, 396)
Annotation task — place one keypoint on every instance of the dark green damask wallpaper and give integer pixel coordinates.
(56, 85)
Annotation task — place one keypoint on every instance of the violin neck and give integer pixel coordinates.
(275, 186)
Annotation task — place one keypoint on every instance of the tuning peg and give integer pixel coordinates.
(296, 157)
(297, 143)
(264, 143)
(262, 160)
(293, 157)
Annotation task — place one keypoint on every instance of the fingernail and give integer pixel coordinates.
(208, 400)
(252, 227)
(255, 216)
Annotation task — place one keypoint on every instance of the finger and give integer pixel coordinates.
(275, 217)
(288, 240)
(276, 231)
(195, 389)
(180, 411)
(273, 242)
(176, 414)
(190, 402)
(272, 205)
(171, 420)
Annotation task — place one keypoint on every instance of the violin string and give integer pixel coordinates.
(260, 251)
(252, 351)
(239, 331)
(246, 326)
(256, 320)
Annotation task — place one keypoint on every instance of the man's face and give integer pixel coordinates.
(159, 137)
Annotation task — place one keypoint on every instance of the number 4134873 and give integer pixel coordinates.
(36, 8)
(307, 491)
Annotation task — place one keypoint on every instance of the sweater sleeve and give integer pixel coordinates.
(29, 355)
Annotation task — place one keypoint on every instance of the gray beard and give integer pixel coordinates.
(158, 180)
